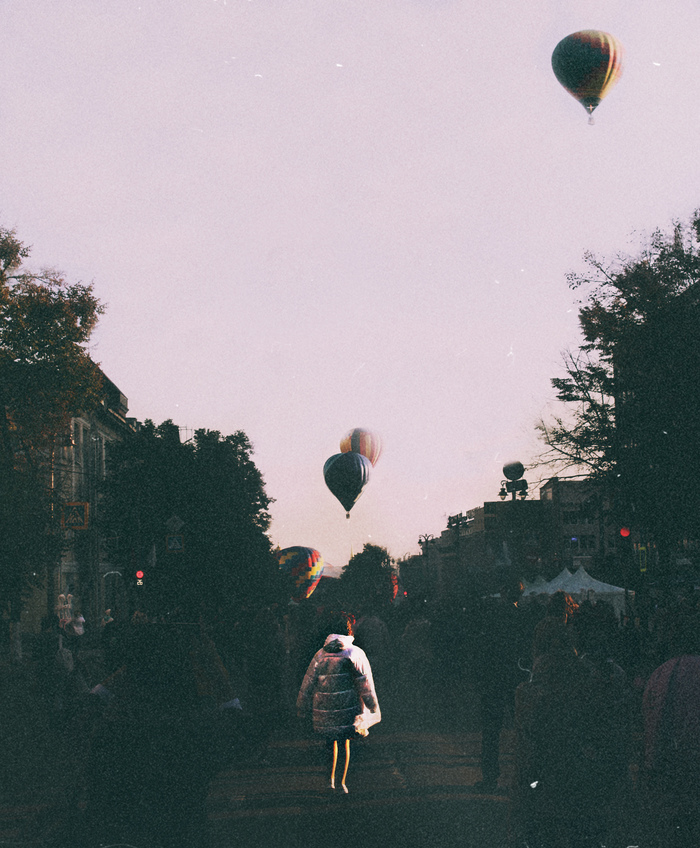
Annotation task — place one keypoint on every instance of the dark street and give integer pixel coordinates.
(411, 782)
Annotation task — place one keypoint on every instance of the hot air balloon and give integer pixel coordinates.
(305, 568)
(346, 475)
(362, 441)
(588, 64)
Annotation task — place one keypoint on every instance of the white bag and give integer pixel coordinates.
(366, 719)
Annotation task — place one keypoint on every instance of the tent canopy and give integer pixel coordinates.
(581, 586)
(538, 586)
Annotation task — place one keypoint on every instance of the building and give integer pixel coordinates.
(500, 542)
(581, 533)
(486, 547)
(78, 465)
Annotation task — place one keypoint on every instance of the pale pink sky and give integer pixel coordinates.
(315, 215)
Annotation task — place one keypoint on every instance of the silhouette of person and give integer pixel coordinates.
(671, 708)
(500, 645)
(158, 743)
(338, 690)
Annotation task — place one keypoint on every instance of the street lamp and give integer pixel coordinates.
(512, 529)
(513, 484)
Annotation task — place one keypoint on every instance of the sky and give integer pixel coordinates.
(305, 216)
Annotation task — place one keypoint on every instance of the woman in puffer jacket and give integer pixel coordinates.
(339, 690)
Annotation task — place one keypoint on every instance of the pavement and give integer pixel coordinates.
(405, 788)
(408, 790)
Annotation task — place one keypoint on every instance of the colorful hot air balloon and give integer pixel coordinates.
(346, 475)
(362, 441)
(588, 64)
(305, 568)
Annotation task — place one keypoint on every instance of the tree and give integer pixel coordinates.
(634, 423)
(46, 377)
(208, 493)
(367, 578)
(585, 439)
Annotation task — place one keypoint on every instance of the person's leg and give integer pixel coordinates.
(335, 763)
(492, 709)
(347, 763)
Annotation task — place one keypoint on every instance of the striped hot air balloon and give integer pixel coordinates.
(304, 567)
(362, 441)
(588, 64)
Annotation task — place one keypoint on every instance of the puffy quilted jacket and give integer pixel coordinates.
(337, 686)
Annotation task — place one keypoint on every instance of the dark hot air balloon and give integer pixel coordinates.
(588, 64)
(346, 475)
(304, 567)
(362, 441)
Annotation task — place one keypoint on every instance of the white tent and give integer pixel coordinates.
(557, 583)
(582, 587)
(537, 587)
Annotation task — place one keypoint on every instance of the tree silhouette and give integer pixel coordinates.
(208, 495)
(46, 378)
(367, 578)
(633, 422)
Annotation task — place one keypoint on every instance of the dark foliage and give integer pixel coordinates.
(633, 387)
(46, 377)
(366, 580)
(207, 494)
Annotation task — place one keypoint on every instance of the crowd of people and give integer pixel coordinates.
(180, 698)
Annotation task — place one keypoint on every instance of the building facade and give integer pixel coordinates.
(85, 570)
(487, 547)
(500, 542)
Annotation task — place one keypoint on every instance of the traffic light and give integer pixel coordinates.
(139, 578)
(626, 551)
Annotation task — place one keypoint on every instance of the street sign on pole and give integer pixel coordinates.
(75, 515)
(174, 544)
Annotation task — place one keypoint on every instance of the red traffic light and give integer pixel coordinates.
(624, 532)
(139, 575)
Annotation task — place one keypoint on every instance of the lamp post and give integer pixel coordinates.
(430, 560)
(516, 486)
(513, 484)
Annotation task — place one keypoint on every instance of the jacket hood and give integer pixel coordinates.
(336, 642)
